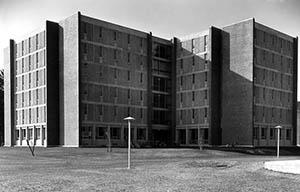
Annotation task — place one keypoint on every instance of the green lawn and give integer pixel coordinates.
(93, 169)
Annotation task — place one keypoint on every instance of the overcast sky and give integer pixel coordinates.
(165, 18)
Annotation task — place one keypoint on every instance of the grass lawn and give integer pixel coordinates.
(93, 169)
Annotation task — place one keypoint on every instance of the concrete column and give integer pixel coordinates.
(186, 136)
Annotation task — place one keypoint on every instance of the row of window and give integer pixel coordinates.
(86, 73)
(192, 136)
(92, 32)
(31, 44)
(195, 45)
(96, 112)
(27, 133)
(271, 133)
(102, 132)
(273, 61)
(30, 62)
(31, 98)
(31, 115)
(193, 78)
(31, 80)
(272, 42)
(272, 97)
(193, 113)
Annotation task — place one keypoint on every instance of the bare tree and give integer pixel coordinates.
(31, 147)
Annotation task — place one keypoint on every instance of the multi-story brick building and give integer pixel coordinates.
(73, 83)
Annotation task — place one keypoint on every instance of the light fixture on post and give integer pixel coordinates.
(129, 142)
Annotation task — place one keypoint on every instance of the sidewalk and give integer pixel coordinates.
(286, 166)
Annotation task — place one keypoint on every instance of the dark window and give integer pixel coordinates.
(205, 94)
(193, 81)
(193, 112)
(193, 96)
(181, 80)
(141, 80)
(100, 132)
(128, 39)
(100, 32)
(100, 52)
(141, 95)
(115, 54)
(205, 74)
(115, 35)
(128, 94)
(193, 60)
(205, 112)
(115, 132)
(141, 134)
(288, 134)
(141, 42)
(128, 57)
(115, 73)
(272, 133)
(263, 133)
(128, 75)
(181, 63)
(255, 133)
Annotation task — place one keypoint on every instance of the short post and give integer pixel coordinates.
(278, 127)
(129, 142)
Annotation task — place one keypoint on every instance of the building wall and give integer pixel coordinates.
(30, 91)
(237, 83)
(193, 80)
(69, 80)
(52, 82)
(9, 122)
(273, 86)
(113, 82)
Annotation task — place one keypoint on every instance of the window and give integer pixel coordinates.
(205, 94)
(193, 113)
(272, 57)
(263, 133)
(115, 73)
(193, 80)
(23, 116)
(22, 82)
(22, 47)
(272, 133)
(193, 96)
(37, 96)
(128, 111)
(141, 42)
(115, 35)
(29, 96)
(29, 43)
(181, 97)
(30, 133)
(100, 110)
(37, 59)
(29, 62)
(23, 99)
(100, 32)
(100, 132)
(141, 79)
(115, 110)
(37, 114)
(205, 41)
(29, 79)
(128, 57)
(181, 80)
(100, 52)
(128, 94)
(181, 63)
(24, 134)
(141, 95)
(255, 133)
(115, 54)
(37, 78)
(205, 78)
(84, 48)
(141, 113)
(141, 134)
(264, 37)
(288, 134)
(17, 134)
(22, 65)
(205, 112)
(128, 38)
(85, 109)
(128, 75)
(38, 133)
(36, 41)
(115, 132)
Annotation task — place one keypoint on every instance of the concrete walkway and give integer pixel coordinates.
(286, 166)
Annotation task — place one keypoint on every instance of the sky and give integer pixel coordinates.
(164, 18)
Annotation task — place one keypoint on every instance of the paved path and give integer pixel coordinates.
(286, 166)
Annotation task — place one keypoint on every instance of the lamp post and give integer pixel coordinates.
(278, 127)
(129, 142)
